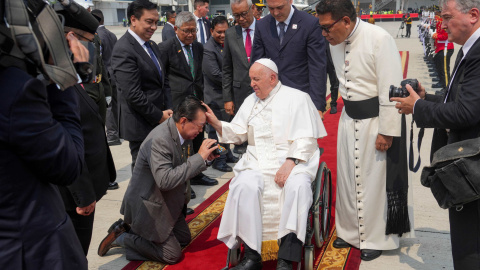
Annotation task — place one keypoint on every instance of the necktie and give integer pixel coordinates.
(281, 25)
(248, 44)
(154, 59)
(457, 63)
(202, 35)
(190, 60)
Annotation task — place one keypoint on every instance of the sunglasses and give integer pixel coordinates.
(327, 28)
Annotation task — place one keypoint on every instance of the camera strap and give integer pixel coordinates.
(419, 144)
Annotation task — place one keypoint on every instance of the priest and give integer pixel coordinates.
(270, 194)
(372, 209)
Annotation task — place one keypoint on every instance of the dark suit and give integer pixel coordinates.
(207, 25)
(212, 70)
(153, 203)
(142, 94)
(41, 146)
(98, 169)
(461, 115)
(236, 80)
(301, 58)
(168, 32)
(108, 40)
(178, 78)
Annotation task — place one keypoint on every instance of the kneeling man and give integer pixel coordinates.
(270, 194)
(155, 202)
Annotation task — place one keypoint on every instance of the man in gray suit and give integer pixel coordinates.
(168, 30)
(236, 60)
(154, 227)
(212, 73)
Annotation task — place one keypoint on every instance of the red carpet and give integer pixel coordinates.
(206, 252)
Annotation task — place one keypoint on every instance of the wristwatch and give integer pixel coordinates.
(296, 161)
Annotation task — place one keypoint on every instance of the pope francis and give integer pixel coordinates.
(270, 194)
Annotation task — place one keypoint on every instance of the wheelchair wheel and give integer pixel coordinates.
(326, 203)
(309, 257)
(317, 201)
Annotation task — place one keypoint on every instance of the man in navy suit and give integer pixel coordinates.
(293, 40)
(139, 76)
(168, 31)
(203, 25)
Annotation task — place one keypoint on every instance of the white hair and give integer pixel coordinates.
(464, 5)
(236, 2)
(184, 17)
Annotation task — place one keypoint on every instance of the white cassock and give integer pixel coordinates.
(285, 124)
(366, 64)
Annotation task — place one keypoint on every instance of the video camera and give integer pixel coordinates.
(402, 91)
(32, 33)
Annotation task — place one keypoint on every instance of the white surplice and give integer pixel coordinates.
(366, 64)
(285, 124)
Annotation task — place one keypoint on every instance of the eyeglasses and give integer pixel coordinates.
(189, 31)
(327, 28)
(243, 14)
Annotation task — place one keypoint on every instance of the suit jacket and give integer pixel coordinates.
(178, 79)
(156, 194)
(207, 25)
(301, 58)
(108, 42)
(212, 71)
(236, 80)
(98, 169)
(460, 114)
(41, 146)
(142, 95)
(168, 32)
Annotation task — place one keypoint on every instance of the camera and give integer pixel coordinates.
(220, 150)
(403, 92)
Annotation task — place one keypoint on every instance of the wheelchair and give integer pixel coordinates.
(318, 222)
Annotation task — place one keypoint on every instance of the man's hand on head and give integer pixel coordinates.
(212, 119)
(80, 53)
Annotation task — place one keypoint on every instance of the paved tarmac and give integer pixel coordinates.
(430, 249)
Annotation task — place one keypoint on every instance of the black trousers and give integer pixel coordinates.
(83, 228)
(134, 148)
(332, 76)
(409, 29)
(440, 66)
(111, 123)
(465, 236)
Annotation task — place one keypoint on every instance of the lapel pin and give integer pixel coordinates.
(179, 51)
(294, 26)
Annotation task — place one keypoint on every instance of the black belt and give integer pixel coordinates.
(362, 109)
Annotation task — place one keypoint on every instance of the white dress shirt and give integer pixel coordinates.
(199, 37)
(185, 50)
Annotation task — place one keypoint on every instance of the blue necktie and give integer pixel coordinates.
(202, 36)
(154, 59)
(281, 25)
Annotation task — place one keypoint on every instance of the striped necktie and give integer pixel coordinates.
(190, 60)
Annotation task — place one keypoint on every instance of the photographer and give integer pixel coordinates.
(159, 190)
(456, 117)
(41, 144)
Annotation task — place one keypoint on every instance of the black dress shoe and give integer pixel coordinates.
(232, 159)
(369, 254)
(248, 264)
(284, 264)
(340, 243)
(223, 167)
(192, 194)
(190, 211)
(333, 109)
(203, 180)
(112, 186)
(240, 149)
(114, 142)
(117, 228)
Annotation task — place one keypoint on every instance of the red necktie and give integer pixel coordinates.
(248, 44)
